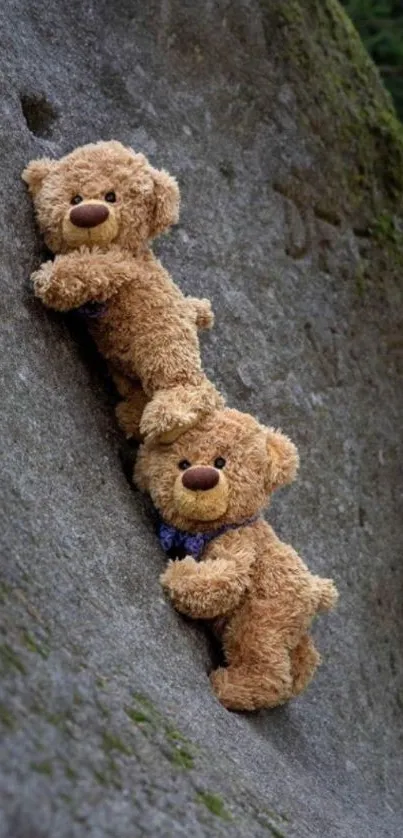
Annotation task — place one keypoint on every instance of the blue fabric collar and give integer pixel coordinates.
(91, 310)
(192, 544)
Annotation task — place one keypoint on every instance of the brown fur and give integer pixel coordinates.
(149, 331)
(257, 591)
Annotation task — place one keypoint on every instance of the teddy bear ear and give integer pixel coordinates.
(283, 459)
(166, 202)
(35, 173)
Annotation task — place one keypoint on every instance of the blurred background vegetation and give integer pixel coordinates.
(380, 24)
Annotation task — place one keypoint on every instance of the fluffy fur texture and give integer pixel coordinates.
(98, 208)
(259, 595)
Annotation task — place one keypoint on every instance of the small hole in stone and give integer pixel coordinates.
(227, 170)
(39, 114)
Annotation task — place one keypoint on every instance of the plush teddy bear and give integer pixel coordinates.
(98, 208)
(210, 487)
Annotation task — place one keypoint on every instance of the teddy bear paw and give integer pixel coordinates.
(42, 279)
(173, 411)
(176, 572)
(164, 420)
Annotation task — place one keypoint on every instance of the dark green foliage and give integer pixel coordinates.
(380, 23)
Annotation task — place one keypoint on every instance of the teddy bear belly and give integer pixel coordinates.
(137, 348)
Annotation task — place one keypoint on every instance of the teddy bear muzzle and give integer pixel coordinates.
(89, 215)
(201, 493)
(92, 222)
(200, 478)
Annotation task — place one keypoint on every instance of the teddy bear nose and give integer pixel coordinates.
(200, 478)
(88, 215)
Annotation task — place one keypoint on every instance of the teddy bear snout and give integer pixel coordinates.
(89, 215)
(200, 478)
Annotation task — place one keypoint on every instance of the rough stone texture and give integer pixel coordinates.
(289, 162)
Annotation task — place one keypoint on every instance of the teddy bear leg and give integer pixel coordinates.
(264, 683)
(259, 670)
(173, 411)
(128, 414)
(130, 410)
(259, 666)
(304, 661)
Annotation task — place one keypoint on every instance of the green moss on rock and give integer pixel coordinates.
(142, 699)
(112, 742)
(44, 767)
(137, 716)
(33, 645)
(70, 773)
(350, 120)
(6, 719)
(10, 660)
(109, 775)
(183, 758)
(4, 591)
(275, 830)
(214, 803)
(174, 735)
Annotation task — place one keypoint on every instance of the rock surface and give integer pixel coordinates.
(289, 161)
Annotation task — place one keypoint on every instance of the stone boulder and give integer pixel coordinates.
(290, 161)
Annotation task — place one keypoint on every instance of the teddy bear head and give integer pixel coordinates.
(220, 472)
(101, 193)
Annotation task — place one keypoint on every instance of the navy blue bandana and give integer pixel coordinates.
(179, 544)
(91, 310)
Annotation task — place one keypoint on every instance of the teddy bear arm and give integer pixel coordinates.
(204, 595)
(210, 588)
(79, 277)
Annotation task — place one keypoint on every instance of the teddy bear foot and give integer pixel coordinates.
(128, 414)
(172, 412)
(240, 688)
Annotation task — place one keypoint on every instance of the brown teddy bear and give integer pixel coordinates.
(210, 487)
(98, 208)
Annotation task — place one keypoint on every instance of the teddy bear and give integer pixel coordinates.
(98, 208)
(227, 566)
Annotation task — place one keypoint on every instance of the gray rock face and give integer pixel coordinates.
(109, 726)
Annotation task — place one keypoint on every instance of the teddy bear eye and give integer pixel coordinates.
(219, 462)
(76, 200)
(184, 464)
(110, 197)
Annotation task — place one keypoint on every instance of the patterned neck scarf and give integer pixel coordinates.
(179, 544)
(91, 310)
